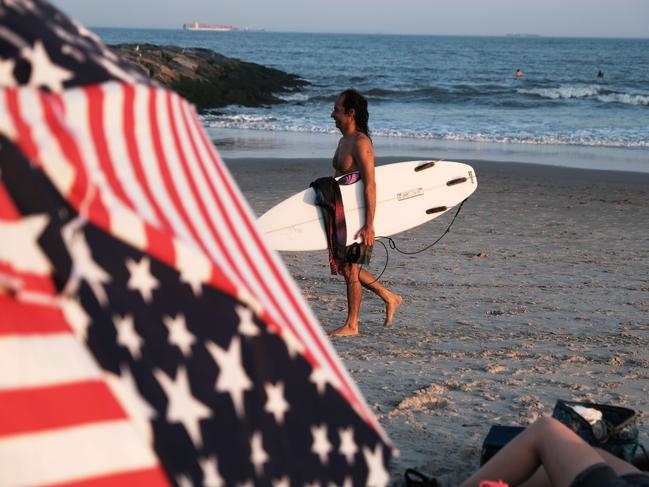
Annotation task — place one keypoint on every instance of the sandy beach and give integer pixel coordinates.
(539, 292)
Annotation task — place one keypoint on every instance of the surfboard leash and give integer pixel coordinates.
(448, 229)
(393, 245)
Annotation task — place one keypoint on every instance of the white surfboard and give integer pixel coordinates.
(407, 195)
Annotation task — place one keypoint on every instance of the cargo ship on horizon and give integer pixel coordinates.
(209, 27)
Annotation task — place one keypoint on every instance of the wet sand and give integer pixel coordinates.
(539, 292)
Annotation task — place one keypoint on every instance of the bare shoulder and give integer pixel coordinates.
(362, 139)
(363, 144)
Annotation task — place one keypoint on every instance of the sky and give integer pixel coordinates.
(564, 18)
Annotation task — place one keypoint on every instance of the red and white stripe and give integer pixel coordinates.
(124, 153)
(60, 423)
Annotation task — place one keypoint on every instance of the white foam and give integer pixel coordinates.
(463, 131)
(563, 92)
(584, 139)
(213, 120)
(597, 92)
(637, 100)
(294, 97)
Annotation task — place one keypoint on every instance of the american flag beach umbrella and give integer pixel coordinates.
(147, 334)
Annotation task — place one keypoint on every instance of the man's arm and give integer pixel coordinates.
(364, 155)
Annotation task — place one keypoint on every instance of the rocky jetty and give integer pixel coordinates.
(209, 79)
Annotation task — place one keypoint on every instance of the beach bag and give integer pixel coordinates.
(497, 437)
(615, 432)
(415, 478)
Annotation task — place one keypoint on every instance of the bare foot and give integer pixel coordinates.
(345, 331)
(390, 308)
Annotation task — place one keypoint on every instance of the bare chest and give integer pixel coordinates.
(343, 160)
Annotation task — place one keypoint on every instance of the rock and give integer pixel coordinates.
(207, 78)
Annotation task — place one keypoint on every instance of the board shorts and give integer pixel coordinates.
(357, 253)
(602, 475)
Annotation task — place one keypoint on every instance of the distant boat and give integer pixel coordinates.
(522, 34)
(211, 27)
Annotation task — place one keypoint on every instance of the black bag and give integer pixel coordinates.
(497, 437)
(616, 432)
(417, 479)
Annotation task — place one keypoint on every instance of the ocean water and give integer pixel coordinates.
(444, 89)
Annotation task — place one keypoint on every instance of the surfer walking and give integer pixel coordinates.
(355, 154)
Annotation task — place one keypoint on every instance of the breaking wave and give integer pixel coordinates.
(638, 100)
(290, 124)
(596, 92)
(547, 139)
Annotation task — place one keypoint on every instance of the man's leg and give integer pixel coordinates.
(354, 295)
(392, 301)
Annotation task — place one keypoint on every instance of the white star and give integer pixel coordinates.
(232, 377)
(76, 316)
(20, 248)
(318, 377)
(294, 346)
(44, 71)
(182, 406)
(194, 280)
(348, 447)
(276, 404)
(195, 269)
(348, 482)
(247, 483)
(258, 455)
(321, 445)
(377, 475)
(127, 336)
(282, 482)
(248, 299)
(141, 278)
(184, 481)
(247, 326)
(7, 79)
(139, 410)
(321, 376)
(211, 475)
(179, 335)
(84, 266)
(312, 484)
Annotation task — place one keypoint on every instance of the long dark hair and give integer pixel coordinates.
(353, 99)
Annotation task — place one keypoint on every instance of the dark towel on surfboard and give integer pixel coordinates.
(329, 199)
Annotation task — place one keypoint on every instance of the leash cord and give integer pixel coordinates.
(393, 245)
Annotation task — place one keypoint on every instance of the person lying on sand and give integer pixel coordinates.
(547, 453)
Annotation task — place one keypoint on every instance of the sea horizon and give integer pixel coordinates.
(379, 33)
